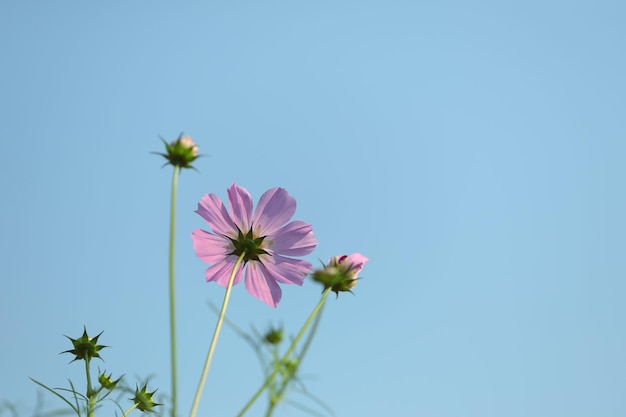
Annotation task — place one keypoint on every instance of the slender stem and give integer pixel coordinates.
(285, 357)
(274, 397)
(90, 393)
(309, 338)
(132, 407)
(172, 288)
(216, 333)
(285, 383)
(88, 375)
(270, 408)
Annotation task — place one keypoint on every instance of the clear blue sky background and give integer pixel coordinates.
(474, 151)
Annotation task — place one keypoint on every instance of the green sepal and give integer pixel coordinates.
(335, 277)
(249, 245)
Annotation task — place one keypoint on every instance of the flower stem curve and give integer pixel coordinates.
(216, 333)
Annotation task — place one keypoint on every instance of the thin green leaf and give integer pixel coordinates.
(75, 397)
(73, 392)
(118, 406)
(76, 410)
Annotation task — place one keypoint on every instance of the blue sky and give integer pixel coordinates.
(474, 151)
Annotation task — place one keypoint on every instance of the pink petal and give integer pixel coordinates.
(240, 206)
(220, 272)
(287, 270)
(209, 247)
(214, 212)
(356, 262)
(261, 285)
(274, 209)
(294, 239)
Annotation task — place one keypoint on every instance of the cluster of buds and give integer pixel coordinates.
(181, 152)
(86, 348)
(341, 273)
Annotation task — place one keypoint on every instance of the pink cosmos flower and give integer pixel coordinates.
(268, 243)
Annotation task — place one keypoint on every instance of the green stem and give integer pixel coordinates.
(270, 408)
(216, 333)
(287, 354)
(278, 396)
(309, 338)
(90, 393)
(132, 407)
(172, 288)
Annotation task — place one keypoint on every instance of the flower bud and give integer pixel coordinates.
(107, 381)
(291, 366)
(273, 336)
(181, 152)
(341, 273)
(144, 399)
(85, 347)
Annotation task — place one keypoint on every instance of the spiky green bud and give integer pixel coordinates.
(85, 347)
(273, 336)
(144, 399)
(180, 152)
(107, 381)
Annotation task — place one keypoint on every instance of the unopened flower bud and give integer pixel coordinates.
(341, 273)
(273, 336)
(291, 366)
(107, 381)
(144, 399)
(181, 152)
(85, 347)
